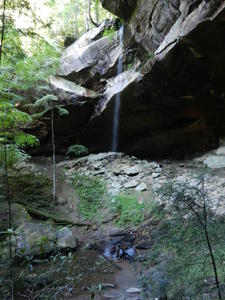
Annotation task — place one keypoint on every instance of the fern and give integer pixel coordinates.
(47, 99)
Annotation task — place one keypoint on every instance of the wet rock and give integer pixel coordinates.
(141, 187)
(130, 253)
(144, 245)
(65, 238)
(131, 184)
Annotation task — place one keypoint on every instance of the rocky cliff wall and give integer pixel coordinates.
(172, 88)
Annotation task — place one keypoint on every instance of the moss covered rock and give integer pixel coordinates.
(19, 216)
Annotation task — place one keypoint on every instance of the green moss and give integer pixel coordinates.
(34, 190)
(109, 33)
(130, 210)
(91, 192)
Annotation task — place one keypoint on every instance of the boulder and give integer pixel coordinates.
(132, 171)
(70, 92)
(19, 216)
(141, 187)
(215, 161)
(38, 239)
(122, 8)
(131, 184)
(90, 56)
(35, 239)
(65, 238)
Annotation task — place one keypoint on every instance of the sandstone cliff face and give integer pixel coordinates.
(172, 88)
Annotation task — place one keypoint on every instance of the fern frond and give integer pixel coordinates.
(45, 100)
(62, 111)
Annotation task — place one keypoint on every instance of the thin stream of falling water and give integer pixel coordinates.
(117, 99)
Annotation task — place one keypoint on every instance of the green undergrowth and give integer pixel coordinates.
(91, 192)
(178, 264)
(130, 210)
(95, 204)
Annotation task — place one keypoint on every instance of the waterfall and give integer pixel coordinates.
(117, 98)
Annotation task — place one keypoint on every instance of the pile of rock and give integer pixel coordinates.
(121, 172)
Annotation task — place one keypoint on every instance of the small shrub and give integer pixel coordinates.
(76, 151)
(151, 55)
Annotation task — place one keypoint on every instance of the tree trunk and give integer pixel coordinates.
(97, 11)
(86, 15)
(3, 30)
(208, 241)
(75, 21)
(6, 168)
(214, 264)
(53, 156)
(89, 13)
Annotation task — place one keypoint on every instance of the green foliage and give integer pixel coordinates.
(12, 138)
(91, 192)
(180, 246)
(109, 33)
(49, 102)
(62, 111)
(42, 244)
(151, 55)
(76, 151)
(47, 99)
(13, 155)
(131, 212)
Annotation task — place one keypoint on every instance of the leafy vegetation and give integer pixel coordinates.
(131, 212)
(76, 151)
(109, 33)
(182, 248)
(91, 192)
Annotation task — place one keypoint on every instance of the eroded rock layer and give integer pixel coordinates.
(172, 87)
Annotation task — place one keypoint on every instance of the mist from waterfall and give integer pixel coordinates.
(117, 98)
